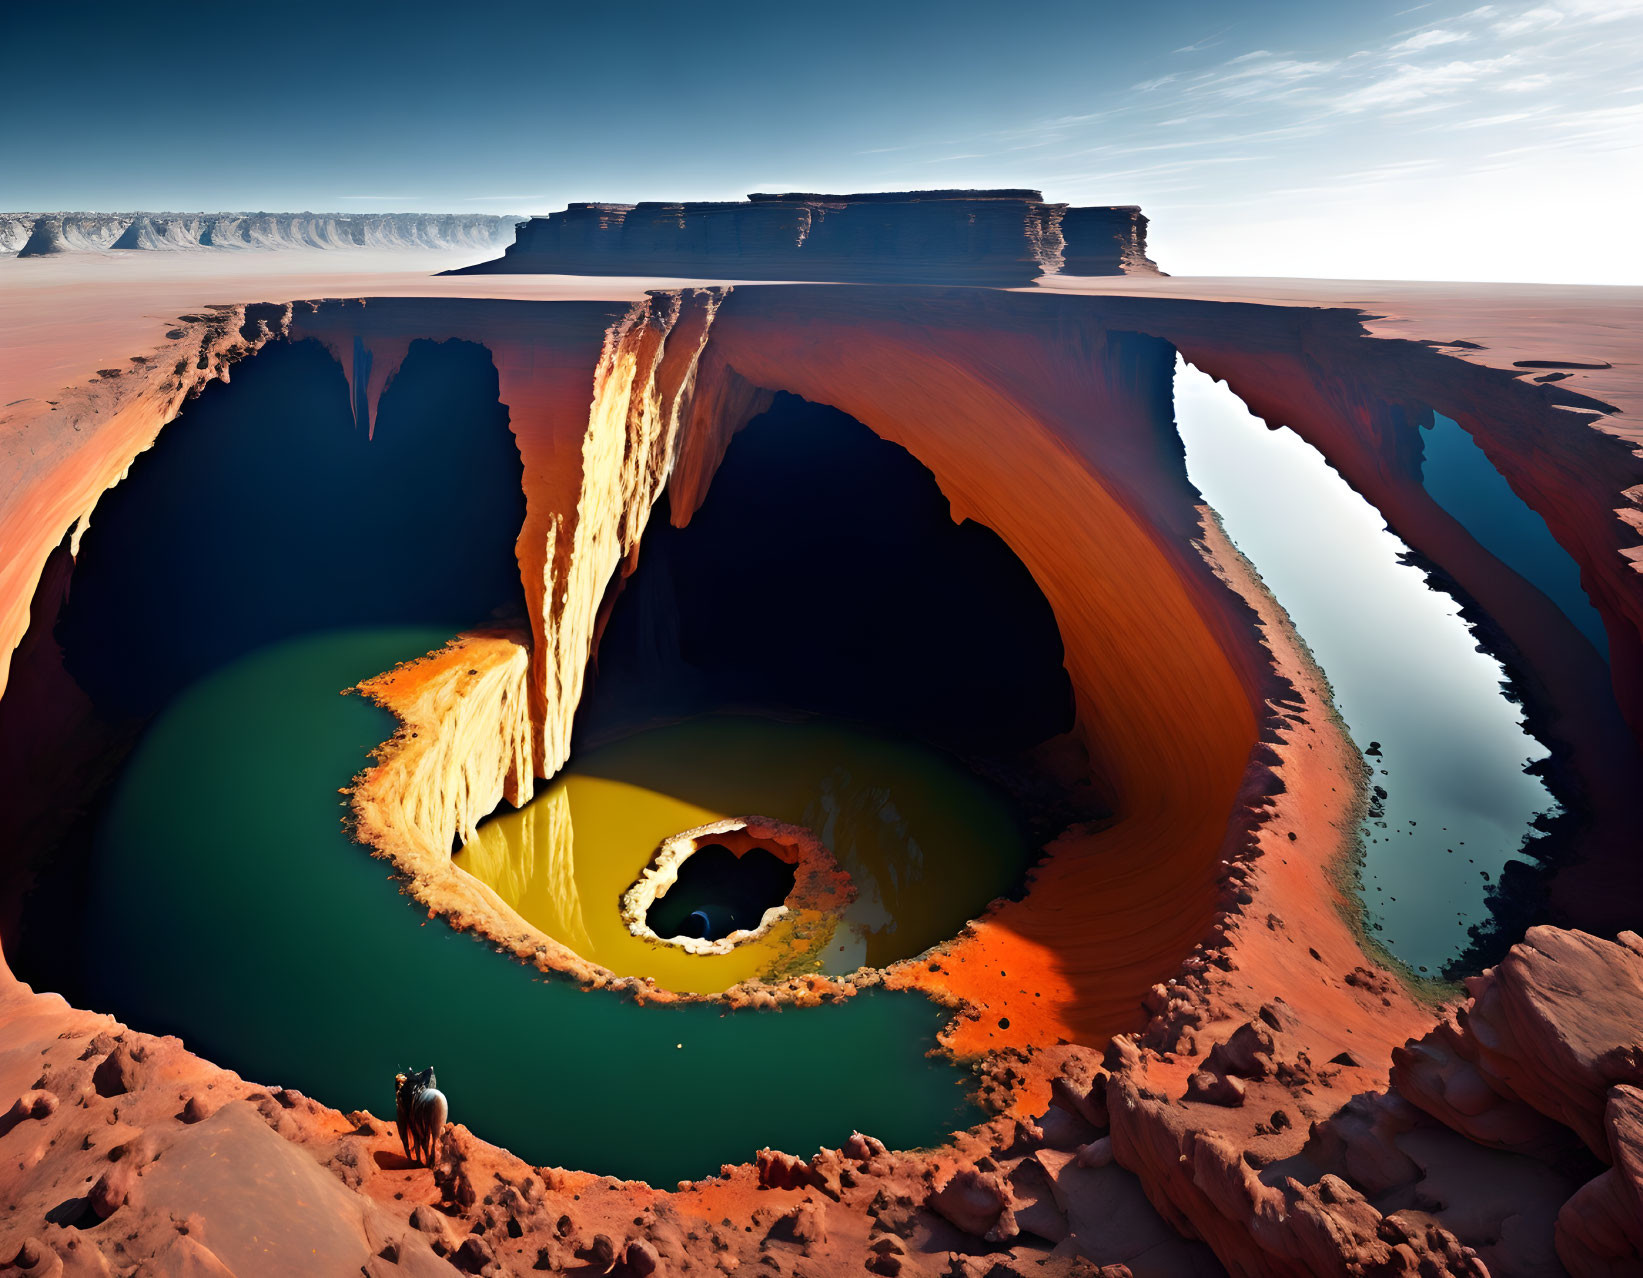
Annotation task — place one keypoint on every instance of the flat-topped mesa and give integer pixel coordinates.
(996, 237)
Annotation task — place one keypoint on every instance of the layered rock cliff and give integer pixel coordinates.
(41, 234)
(998, 237)
(1105, 241)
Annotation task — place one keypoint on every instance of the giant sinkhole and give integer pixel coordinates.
(827, 723)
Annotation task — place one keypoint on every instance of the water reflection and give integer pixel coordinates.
(1465, 483)
(1451, 800)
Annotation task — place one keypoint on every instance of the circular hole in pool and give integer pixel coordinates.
(718, 892)
(926, 843)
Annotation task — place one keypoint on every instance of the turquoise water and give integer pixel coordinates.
(229, 908)
(1465, 483)
(1451, 802)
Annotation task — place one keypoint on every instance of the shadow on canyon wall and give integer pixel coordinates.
(264, 513)
(824, 573)
(261, 513)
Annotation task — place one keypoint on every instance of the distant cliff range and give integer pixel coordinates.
(996, 238)
(40, 234)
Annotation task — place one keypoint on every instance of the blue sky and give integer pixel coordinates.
(1440, 140)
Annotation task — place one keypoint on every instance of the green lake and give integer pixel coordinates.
(231, 909)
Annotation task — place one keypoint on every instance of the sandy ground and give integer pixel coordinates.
(1509, 322)
(63, 318)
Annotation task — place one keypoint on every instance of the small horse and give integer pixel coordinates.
(421, 1110)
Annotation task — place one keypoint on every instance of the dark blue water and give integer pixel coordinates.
(1465, 483)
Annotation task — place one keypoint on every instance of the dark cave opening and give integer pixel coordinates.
(718, 892)
(824, 574)
(263, 512)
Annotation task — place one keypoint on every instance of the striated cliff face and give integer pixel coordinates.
(592, 468)
(951, 237)
(57, 479)
(1105, 241)
(30, 236)
(37, 235)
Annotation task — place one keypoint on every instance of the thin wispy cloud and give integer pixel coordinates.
(1208, 42)
(1537, 19)
(1491, 121)
(1429, 39)
(1409, 84)
(1553, 79)
(1568, 13)
(1261, 75)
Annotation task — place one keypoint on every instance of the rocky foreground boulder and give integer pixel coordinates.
(1507, 1143)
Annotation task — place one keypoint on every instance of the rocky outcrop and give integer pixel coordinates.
(1550, 1052)
(70, 233)
(1552, 1032)
(1470, 1162)
(37, 235)
(1105, 241)
(15, 230)
(949, 237)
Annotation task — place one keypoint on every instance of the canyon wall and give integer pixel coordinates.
(1077, 478)
(62, 455)
(41, 234)
(955, 237)
(1084, 482)
(608, 404)
(594, 393)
